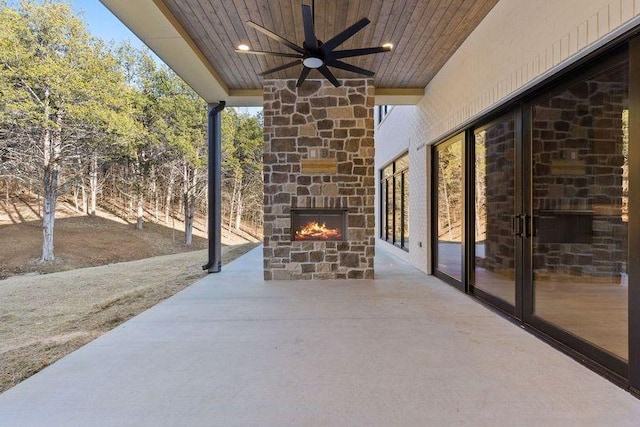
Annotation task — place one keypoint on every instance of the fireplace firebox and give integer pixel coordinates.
(321, 224)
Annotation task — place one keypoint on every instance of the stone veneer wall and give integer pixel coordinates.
(338, 122)
(585, 123)
(499, 181)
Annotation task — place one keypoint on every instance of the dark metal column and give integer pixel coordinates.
(214, 196)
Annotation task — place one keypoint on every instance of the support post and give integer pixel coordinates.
(214, 194)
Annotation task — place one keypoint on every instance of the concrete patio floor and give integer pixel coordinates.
(401, 350)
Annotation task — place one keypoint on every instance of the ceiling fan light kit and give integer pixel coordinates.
(314, 54)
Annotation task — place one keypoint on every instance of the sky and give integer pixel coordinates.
(103, 24)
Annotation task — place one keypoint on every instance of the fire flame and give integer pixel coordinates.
(316, 231)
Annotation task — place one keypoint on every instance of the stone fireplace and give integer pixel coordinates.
(318, 180)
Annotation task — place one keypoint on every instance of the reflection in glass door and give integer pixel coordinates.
(579, 178)
(449, 208)
(495, 217)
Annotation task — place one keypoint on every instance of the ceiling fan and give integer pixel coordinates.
(315, 54)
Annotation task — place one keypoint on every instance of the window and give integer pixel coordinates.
(394, 197)
(383, 110)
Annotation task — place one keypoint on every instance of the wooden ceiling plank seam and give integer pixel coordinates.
(427, 39)
(202, 35)
(259, 39)
(276, 26)
(367, 38)
(213, 25)
(338, 25)
(296, 7)
(231, 31)
(281, 25)
(329, 24)
(263, 62)
(242, 16)
(418, 64)
(379, 34)
(352, 18)
(399, 34)
(408, 43)
(389, 28)
(209, 43)
(287, 18)
(266, 21)
(442, 55)
(358, 39)
(341, 18)
(294, 12)
(263, 41)
(321, 24)
(319, 21)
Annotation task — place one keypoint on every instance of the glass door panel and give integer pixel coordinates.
(494, 203)
(449, 208)
(580, 176)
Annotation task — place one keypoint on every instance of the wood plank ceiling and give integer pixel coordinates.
(425, 33)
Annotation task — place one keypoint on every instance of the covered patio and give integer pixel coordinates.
(400, 349)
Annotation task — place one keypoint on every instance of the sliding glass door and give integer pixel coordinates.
(579, 205)
(496, 214)
(449, 210)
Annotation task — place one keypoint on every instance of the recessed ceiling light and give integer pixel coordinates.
(243, 47)
(388, 45)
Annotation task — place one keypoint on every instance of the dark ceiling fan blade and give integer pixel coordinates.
(329, 75)
(303, 75)
(260, 52)
(357, 52)
(349, 67)
(281, 67)
(343, 36)
(310, 41)
(275, 37)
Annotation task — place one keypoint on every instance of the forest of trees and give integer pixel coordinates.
(91, 121)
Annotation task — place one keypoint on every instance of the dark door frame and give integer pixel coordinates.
(462, 284)
(598, 355)
(512, 310)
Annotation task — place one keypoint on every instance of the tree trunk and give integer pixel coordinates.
(49, 211)
(446, 201)
(93, 184)
(169, 196)
(51, 145)
(75, 197)
(85, 202)
(233, 201)
(239, 210)
(190, 183)
(154, 194)
(140, 220)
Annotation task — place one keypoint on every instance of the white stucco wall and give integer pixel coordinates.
(518, 43)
